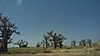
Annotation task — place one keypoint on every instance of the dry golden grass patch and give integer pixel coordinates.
(53, 52)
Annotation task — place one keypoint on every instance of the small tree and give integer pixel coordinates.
(45, 40)
(43, 43)
(80, 43)
(73, 42)
(51, 42)
(56, 38)
(83, 42)
(61, 38)
(38, 44)
(21, 43)
(6, 31)
(89, 41)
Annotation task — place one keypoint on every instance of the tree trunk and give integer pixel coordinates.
(84, 45)
(74, 44)
(5, 46)
(90, 44)
(60, 44)
(55, 44)
(19, 46)
(46, 45)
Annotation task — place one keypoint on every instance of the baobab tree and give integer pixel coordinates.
(80, 43)
(21, 43)
(38, 44)
(51, 42)
(73, 42)
(83, 42)
(89, 41)
(61, 38)
(45, 40)
(56, 38)
(6, 30)
(42, 43)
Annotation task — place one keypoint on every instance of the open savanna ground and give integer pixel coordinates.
(66, 51)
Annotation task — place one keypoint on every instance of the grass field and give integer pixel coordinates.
(66, 51)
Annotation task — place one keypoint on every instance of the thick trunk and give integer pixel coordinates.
(55, 44)
(60, 44)
(90, 44)
(19, 46)
(84, 44)
(43, 45)
(74, 44)
(5, 46)
(1, 47)
(46, 45)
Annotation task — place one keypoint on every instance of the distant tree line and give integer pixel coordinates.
(51, 39)
(86, 42)
(83, 42)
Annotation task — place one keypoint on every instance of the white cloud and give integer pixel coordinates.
(19, 2)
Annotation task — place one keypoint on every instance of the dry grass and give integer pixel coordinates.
(53, 52)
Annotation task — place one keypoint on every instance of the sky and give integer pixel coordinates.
(75, 19)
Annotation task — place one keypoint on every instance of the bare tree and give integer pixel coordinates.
(6, 30)
(61, 38)
(83, 42)
(21, 43)
(80, 43)
(73, 42)
(51, 42)
(89, 41)
(38, 44)
(45, 40)
(43, 43)
(56, 38)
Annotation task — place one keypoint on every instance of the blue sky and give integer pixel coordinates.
(75, 19)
